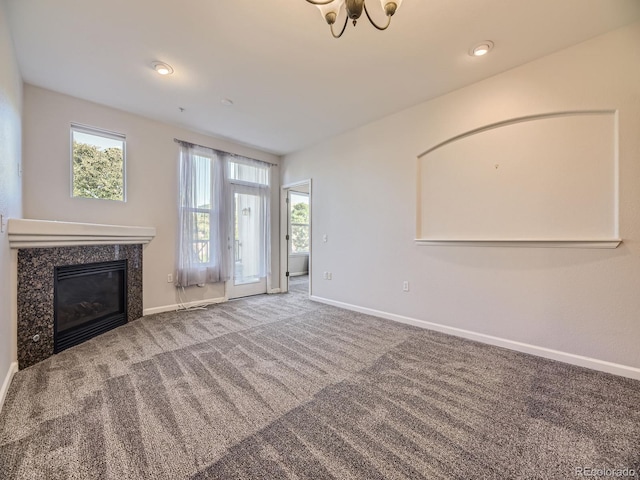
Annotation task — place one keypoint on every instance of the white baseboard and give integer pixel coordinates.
(177, 306)
(579, 360)
(274, 290)
(13, 368)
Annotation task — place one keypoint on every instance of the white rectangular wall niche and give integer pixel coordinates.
(544, 180)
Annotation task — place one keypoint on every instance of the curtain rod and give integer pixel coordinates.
(191, 144)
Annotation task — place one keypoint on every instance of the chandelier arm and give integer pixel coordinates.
(320, 2)
(374, 23)
(346, 20)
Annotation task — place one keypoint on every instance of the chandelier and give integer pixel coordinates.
(354, 8)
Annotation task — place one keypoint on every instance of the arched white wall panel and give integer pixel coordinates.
(544, 178)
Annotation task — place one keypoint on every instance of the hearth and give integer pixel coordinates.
(89, 299)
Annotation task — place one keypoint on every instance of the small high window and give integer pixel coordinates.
(97, 164)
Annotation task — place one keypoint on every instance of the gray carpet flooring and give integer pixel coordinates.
(279, 387)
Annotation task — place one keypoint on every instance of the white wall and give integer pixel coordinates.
(581, 301)
(298, 264)
(10, 188)
(152, 167)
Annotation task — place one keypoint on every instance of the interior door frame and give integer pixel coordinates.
(284, 231)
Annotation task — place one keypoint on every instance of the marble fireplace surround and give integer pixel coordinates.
(40, 245)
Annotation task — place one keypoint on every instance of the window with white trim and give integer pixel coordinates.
(211, 185)
(299, 205)
(204, 208)
(97, 164)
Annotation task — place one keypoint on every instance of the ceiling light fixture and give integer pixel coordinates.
(481, 49)
(330, 9)
(162, 68)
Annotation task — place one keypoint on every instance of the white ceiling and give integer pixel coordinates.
(293, 85)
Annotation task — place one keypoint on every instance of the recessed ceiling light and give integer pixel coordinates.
(162, 68)
(481, 48)
(227, 102)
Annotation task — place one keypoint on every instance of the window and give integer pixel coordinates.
(213, 187)
(299, 204)
(97, 164)
(201, 231)
(203, 209)
(248, 172)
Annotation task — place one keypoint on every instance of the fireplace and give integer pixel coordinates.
(40, 246)
(89, 299)
(36, 279)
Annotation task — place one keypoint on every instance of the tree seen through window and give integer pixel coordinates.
(97, 165)
(299, 223)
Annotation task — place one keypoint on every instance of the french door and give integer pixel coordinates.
(248, 245)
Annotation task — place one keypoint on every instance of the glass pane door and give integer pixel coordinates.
(249, 252)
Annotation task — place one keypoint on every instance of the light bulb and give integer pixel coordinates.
(162, 68)
(481, 48)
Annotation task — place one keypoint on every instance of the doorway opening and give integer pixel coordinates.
(296, 235)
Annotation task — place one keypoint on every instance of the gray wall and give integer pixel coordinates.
(582, 302)
(298, 264)
(10, 184)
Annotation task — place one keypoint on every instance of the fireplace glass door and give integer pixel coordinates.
(89, 299)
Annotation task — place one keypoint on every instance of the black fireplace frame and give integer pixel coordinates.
(76, 335)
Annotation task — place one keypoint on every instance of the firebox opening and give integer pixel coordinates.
(89, 299)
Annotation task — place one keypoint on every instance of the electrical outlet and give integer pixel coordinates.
(329, 275)
(326, 275)
(170, 278)
(405, 286)
(325, 238)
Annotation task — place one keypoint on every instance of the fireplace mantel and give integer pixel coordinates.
(27, 233)
(37, 247)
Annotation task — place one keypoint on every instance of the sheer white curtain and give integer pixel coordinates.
(202, 222)
(213, 185)
(250, 184)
